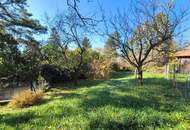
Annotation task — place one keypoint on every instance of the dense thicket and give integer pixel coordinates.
(18, 48)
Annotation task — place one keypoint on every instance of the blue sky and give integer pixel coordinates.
(39, 7)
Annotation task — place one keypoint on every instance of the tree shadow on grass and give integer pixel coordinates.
(62, 95)
(16, 118)
(53, 112)
(149, 95)
(131, 84)
(80, 84)
(104, 98)
(152, 82)
(118, 75)
(90, 83)
(130, 123)
(184, 88)
(155, 94)
(107, 96)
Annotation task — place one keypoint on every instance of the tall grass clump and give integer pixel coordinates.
(26, 98)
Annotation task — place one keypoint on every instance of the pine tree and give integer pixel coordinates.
(54, 38)
(16, 22)
(86, 43)
(110, 46)
(16, 26)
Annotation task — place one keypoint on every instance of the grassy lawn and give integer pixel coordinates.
(113, 104)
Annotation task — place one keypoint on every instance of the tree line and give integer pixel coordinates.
(139, 35)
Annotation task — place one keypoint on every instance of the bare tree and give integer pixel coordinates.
(145, 26)
(85, 20)
(71, 30)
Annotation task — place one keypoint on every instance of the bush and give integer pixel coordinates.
(100, 69)
(115, 66)
(26, 98)
(54, 74)
(154, 69)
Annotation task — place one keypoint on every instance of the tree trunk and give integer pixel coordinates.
(75, 77)
(140, 75)
(174, 76)
(75, 80)
(32, 87)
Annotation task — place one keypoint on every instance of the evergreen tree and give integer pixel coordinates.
(16, 26)
(10, 63)
(54, 38)
(31, 63)
(86, 43)
(16, 22)
(110, 46)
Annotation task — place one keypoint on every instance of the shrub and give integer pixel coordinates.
(100, 69)
(26, 98)
(154, 69)
(115, 66)
(54, 74)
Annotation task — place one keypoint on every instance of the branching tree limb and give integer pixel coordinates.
(147, 25)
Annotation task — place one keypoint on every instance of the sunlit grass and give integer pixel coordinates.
(118, 103)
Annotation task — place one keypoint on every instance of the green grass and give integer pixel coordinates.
(118, 103)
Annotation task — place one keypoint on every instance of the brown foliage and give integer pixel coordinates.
(100, 69)
(26, 98)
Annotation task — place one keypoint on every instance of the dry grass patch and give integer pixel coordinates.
(26, 98)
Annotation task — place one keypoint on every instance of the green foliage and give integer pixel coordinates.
(17, 26)
(17, 22)
(65, 59)
(164, 54)
(69, 59)
(19, 66)
(86, 43)
(115, 66)
(118, 103)
(10, 59)
(110, 46)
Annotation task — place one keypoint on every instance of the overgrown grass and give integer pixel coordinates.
(118, 103)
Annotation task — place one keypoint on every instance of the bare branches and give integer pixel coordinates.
(86, 20)
(145, 26)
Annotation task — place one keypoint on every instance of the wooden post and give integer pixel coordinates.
(136, 75)
(167, 71)
(174, 76)
(180, 65)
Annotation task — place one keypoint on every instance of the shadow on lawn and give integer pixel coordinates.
(16, 119)
(117, 75)
(119, 94)
(184, 89)
(138, 97)
(131, 84)
(90, 83)
(105, 98)
(87, 84)
(80, 84)
(64, 96)
(149, 95)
